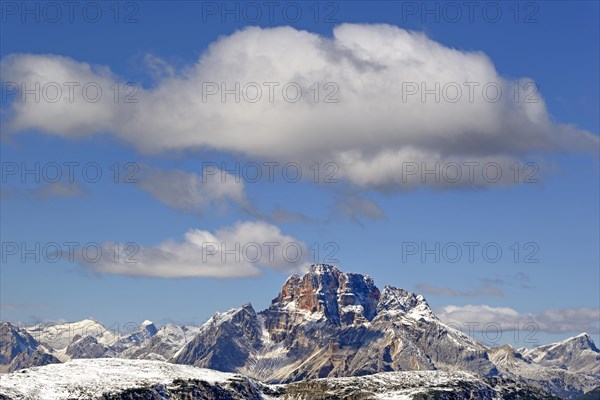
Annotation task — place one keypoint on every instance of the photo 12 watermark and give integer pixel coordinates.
(69, 251)
(269, 92)
(270, 172)
(453, 12)
(471, 252)
(70, 92)
(492, 333)
(70, 12)
(469, 91)
(25, 172)
(255, 12)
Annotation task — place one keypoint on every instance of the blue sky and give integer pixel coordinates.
(372, 219)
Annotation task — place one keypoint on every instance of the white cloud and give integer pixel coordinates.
(371, 132)
(241, 250)
(565, 320)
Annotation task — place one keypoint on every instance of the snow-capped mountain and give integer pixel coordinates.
(324, 324)
(62, 338)
(328, 324)
(119, 379)
(162, 345)
(576, 354)
(90, 339)
(560, 381)
(331, 324)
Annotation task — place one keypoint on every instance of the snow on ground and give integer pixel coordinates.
(89, 378)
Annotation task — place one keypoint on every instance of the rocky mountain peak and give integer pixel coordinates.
(342, 298)
(148, 328)
(395, 301)
(18, 349)
(583, 342)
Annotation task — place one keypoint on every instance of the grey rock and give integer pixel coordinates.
(18, 349)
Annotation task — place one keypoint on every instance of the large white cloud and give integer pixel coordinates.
(241, 250)
(371, 132)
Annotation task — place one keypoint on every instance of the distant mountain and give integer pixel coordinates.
(120, 379)
(58, 337)
(324, 324)
(90, 339)
(162, 345)
(560, 381)
(18, 349)
(576, 354)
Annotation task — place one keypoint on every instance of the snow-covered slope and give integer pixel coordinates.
(91, 378)
(119, 379)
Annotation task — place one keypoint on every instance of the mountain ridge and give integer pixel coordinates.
(330, 324)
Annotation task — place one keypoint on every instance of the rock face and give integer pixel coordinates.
(226, 342)
(330, 324)
(18, 349)
(88, 347)
(162, 345)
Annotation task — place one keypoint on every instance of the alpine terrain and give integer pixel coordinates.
(327, 334)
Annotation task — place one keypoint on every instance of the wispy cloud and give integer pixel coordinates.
(355, 207)
(190, 192)
(42, 192)
(485, 290)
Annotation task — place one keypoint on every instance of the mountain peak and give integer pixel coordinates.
(323, 269)
(341, 298)
(582, 341)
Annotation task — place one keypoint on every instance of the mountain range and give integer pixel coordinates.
(325, 331)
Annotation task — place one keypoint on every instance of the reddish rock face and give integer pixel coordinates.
(344, 299)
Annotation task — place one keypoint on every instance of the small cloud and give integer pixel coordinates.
(356, 208)
(157, 67)
(43, 192)
(485, 290)
(519, 279)
(279, 215)
(11, 307)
